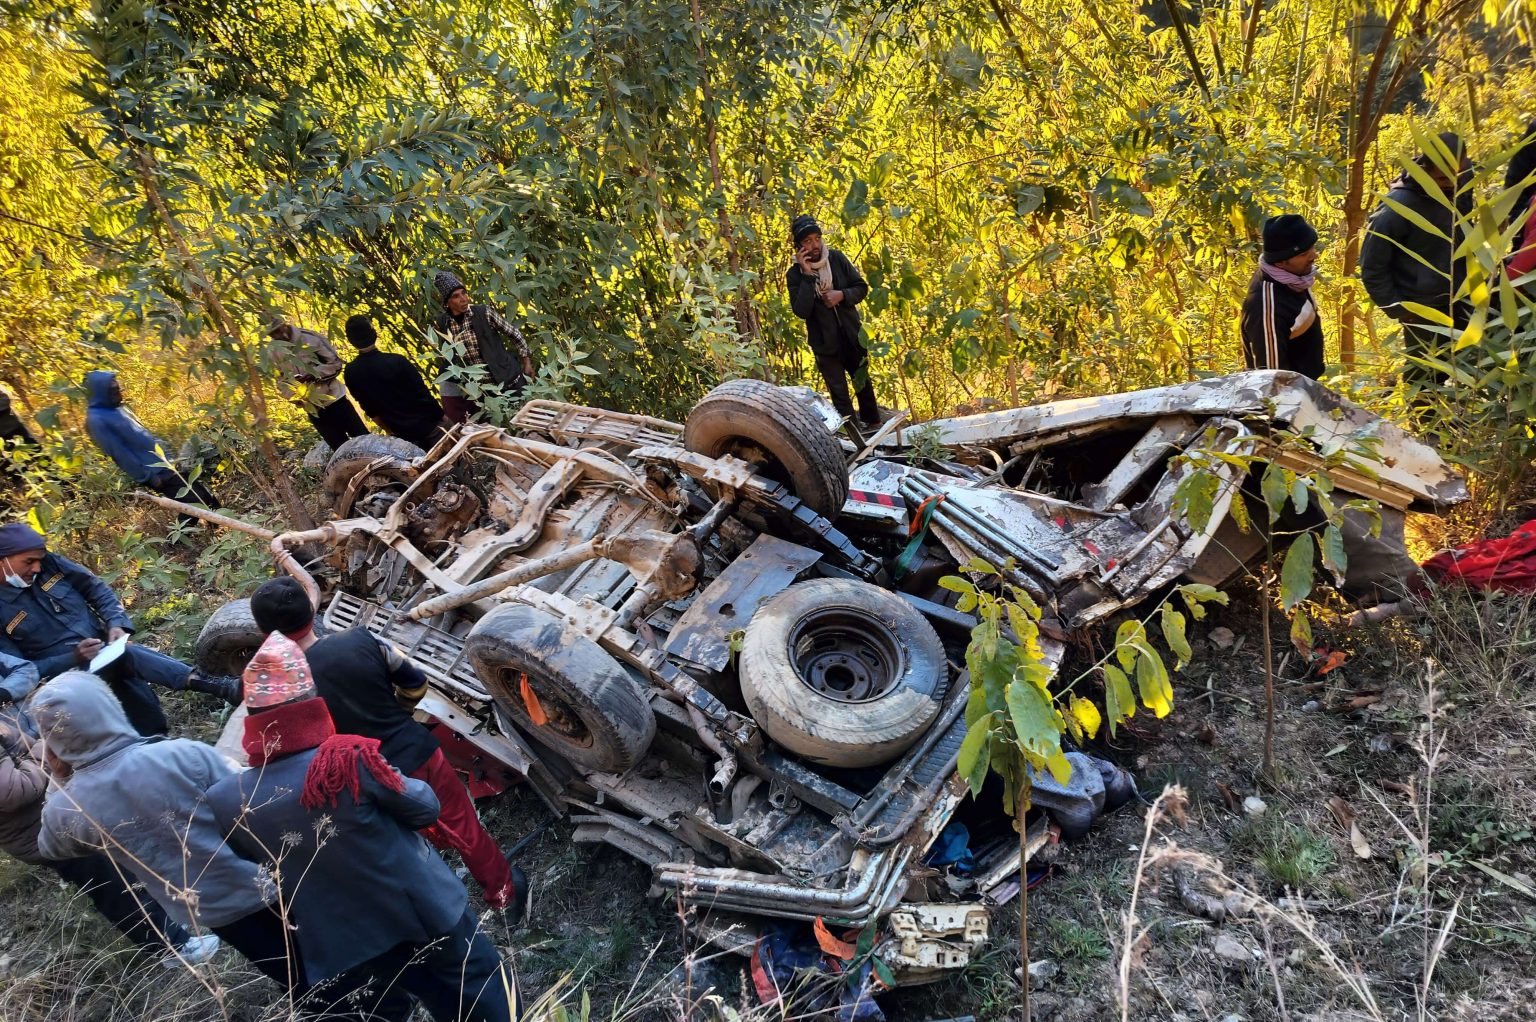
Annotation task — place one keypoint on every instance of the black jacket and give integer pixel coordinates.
(1390, 274)
(392, 392)
(365, 693)
(823, 326)
(498, 346)
(1270, 314)
(356, 878)
(11, 426)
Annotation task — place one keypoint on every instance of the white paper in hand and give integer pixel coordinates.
(108, 653)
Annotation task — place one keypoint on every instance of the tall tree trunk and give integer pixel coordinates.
(254, 398)
(1251, 33)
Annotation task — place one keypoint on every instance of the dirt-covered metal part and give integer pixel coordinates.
(640, 629)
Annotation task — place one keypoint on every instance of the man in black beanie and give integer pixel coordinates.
(825, 289)
(390, 388)
(1280, 323)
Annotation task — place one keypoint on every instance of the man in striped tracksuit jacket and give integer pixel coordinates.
(1282, 328)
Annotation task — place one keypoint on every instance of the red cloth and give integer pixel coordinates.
(1508, 564)
(458, 409)
(1524, 261)
(294, 727)
(465, 833)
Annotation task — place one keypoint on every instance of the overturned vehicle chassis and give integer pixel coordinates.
(695, 640)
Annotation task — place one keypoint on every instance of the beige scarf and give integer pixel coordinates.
(822, 269)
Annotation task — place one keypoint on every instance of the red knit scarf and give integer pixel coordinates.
(294, 727)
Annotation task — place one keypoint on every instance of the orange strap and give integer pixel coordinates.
(531, 702)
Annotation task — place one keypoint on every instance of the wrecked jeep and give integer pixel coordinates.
(721, 646)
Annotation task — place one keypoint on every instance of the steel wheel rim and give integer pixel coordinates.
(846, 656)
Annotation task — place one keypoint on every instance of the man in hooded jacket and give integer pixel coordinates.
(58, 616)
(1402, 264)
(141, 455)
(144, 804)
(358, 943)
(23, 784)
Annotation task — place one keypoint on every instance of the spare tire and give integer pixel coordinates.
(766, 425)
(843, 673)
(228, 640)
(355, 455)
(593, 712)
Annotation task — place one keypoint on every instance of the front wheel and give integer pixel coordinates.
(392, 471)
(562, 688)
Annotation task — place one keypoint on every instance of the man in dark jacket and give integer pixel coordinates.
(1401, 263)
(1281, 326)
(390, 388)
(371, 690)
(825, 289)
(485, 338)
(13, 433)
(377, 912)
(57, 615)
(141, 455)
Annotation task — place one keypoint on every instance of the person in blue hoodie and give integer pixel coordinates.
(141, 455)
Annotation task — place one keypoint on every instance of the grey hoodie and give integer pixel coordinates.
(143, 803)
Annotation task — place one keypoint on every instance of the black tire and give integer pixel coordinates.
(758, 422)
(228, 640)
(598, 716)
(357, 453)
(843, 673)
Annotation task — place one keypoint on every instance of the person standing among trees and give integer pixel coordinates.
(1521, 174)
(310, 378)
(1402, 263)
(57, 615)
(825, 289)
(13, 433)
(485, 338)
(1281, 326)
(371, 690)
(390, 388)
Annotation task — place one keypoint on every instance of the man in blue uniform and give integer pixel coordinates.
(56, 614)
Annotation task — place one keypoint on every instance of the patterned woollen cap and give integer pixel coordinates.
(446, 284)
(277, 674)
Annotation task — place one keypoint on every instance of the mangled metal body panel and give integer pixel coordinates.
(1412, 475)
(662, 557)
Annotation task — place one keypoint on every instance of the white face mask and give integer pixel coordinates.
(13, 578)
